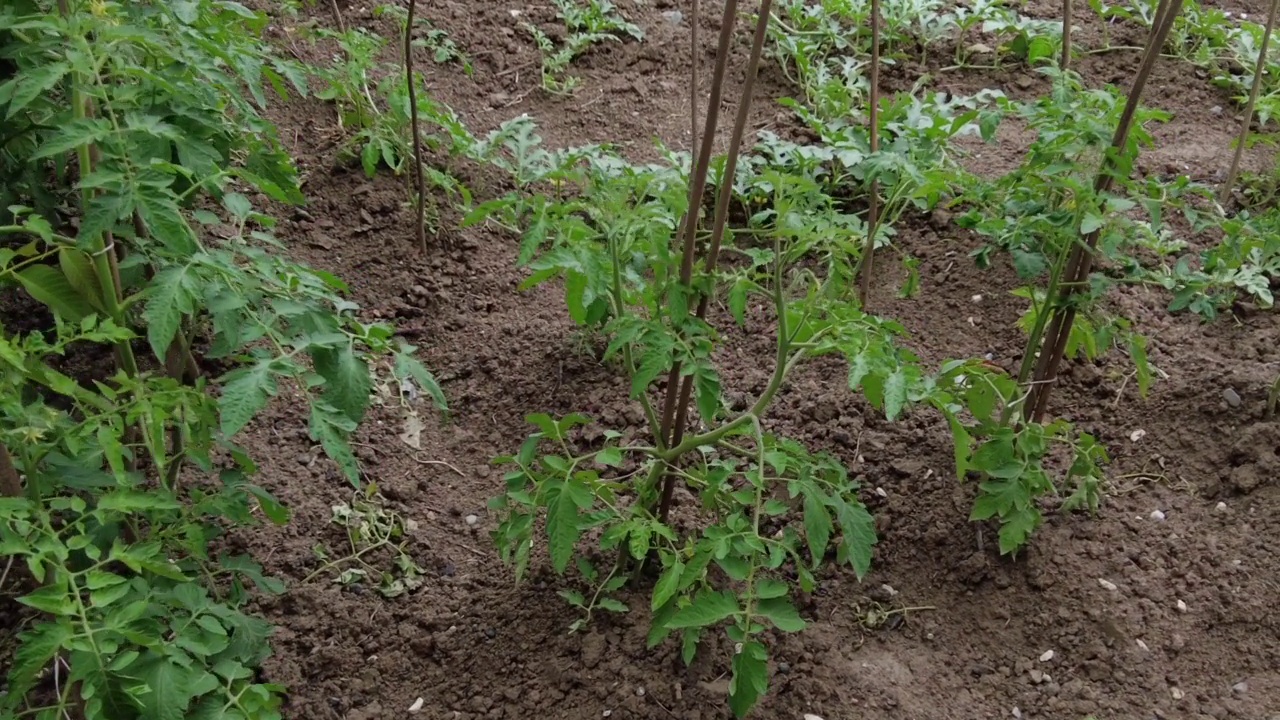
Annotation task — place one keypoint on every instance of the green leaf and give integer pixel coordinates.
(562, 529)
(858, 530)
(244, 394)
(333, 430)
(609, 457)
(275, 511)
(37, 647)
(409, 366)
(817, 526)
(79, 272)
(347, 384)
(612, 605)
(165, 222)
(708, 385)
(895, 394)
(667, 585)
(49, 286)
(167, 696)
(135, 501)
(53, 599)
(35, 82)
(782, 614)
(168, 299)
(1091, 222)
(738, 301)
(750, 678)
(708, 608)
(770, 588)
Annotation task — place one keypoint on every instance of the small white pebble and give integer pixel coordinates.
(977, 298)
(472, 520)
(1017, 713)
(1177, 693)
(1143, 646)
(640, 692)
(1137, 435)
(888, 589)
(1106, 584)
(1182, 606)
(1037, 676)
(1240, 688)
(811, 716)
(606, 713)
(1046, 656)
(882, 492)
(1221, 507)
(416, 706)
(1157, 515)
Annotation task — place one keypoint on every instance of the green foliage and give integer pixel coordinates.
(586, 23)
(130, 471)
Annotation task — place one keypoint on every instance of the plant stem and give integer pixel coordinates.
(867, 261)
(420, 223)
(1258, 70)
(1081, 261)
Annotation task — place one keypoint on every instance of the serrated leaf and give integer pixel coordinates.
(708, 608)
(738, 302)
(167, 696)
(50, 287)
(409, 366)
(667, 585)
(35, 82)
(53, 599)
(817, 526)
(347, 383)
(1091, 222)
(245, 393)
(708, 394)
(562, 529)
(895, 394)
(612, 605)
(750, 678)
(165, 222)
(782, 614)
(858, 531)
(79, 272)
(770, 588)
(168, 299)
(134, 501)
(609, 457)
(333, 430)
(37, 647)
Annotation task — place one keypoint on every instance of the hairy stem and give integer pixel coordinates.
(1258, 69)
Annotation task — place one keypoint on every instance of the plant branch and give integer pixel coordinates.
(10, 480)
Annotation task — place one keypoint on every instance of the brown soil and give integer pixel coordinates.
(472, 644)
